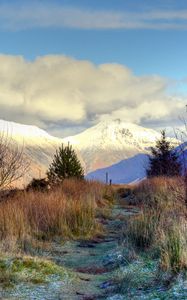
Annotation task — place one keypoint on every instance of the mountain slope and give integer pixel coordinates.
(126, 171)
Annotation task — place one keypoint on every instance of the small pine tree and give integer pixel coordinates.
(65, 165)
(164, 160)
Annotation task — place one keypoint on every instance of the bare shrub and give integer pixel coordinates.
(13, 163)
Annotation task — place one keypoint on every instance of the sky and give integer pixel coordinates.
(65, 65)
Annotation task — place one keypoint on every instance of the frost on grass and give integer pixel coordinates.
(32, 278)
(142, 279)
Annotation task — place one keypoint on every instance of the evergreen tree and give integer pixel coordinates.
(164, 159)
(65, 165)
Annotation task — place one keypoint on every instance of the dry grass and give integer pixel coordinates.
(67, 211)
(160, 192)
(143, 230)
(162, 220)
(174, 249)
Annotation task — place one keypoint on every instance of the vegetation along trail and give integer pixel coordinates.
(89, 265)
(93, 261)
(127, 243)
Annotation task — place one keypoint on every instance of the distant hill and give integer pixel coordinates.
(128, 170)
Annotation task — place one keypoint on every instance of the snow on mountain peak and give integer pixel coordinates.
(111, 141)
(28, 135)
(118, 128)
(16, 129)
(114, 133)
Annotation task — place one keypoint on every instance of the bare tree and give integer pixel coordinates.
(13, 163)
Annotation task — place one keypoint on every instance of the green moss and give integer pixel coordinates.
(28, 269)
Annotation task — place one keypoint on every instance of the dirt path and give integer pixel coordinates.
(91, 264)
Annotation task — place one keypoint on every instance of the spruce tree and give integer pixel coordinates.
(65, 165)
(164, 159)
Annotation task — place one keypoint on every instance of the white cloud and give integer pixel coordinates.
(56, 90)
(38, 15)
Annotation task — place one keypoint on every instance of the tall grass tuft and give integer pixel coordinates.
(174, 250)
(142, 231)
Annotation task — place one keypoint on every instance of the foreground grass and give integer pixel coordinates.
(157, 237)
(67, 211)
(161, 225)
(32, 221)
(142, 279)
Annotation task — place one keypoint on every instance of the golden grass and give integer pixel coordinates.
(67, 211)
(163, 194)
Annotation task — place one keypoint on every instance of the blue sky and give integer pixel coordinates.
(144, 37)
(147, 51)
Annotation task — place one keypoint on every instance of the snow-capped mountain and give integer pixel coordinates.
(112, 141)
(38, 146)
(113, 144)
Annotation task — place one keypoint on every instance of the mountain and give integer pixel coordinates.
(112, 141)
(117, 148)
(111, 146)
(38, 146)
